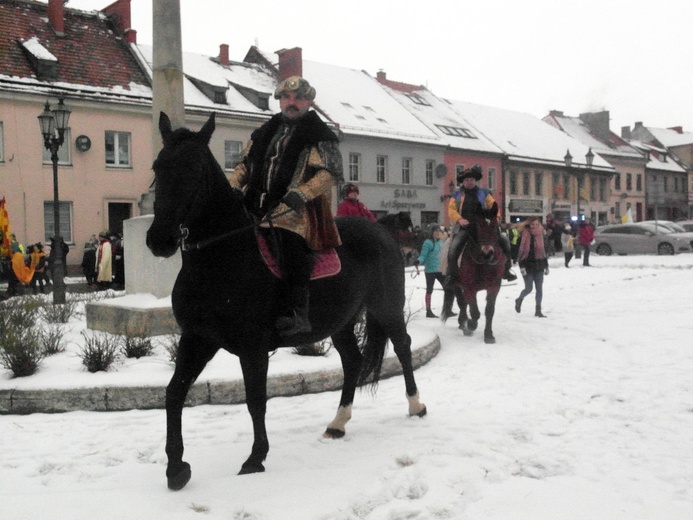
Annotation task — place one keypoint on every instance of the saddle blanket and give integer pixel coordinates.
(326, 263)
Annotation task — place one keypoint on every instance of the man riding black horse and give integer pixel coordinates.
(468, 203)
(287, 173)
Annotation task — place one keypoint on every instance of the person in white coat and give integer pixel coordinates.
(104, 263)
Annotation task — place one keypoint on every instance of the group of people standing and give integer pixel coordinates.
(103, 262)
(29, 266)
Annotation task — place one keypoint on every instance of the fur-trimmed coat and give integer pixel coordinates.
(309, 163)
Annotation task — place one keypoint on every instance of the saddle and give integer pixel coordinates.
(326, 264)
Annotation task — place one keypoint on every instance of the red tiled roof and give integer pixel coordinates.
(91, 52)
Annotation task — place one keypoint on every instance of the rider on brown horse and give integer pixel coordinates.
(468, 203)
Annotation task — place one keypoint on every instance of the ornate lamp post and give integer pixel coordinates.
(53, 125)
(580, 175)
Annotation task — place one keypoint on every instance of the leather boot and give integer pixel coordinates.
(538, 313)
(429, 312)
(518, 305)
(296, 321)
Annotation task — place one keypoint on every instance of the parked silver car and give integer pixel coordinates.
(686, 224)
(638, 239)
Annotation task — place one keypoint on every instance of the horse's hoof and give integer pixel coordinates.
(420, 413)
(489, 340)
(179, 480)
(251, 467)
(467, 332)
(472, 324)
(333, 433)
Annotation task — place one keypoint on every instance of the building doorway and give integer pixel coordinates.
(118, 212)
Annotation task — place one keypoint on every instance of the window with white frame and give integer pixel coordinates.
(526, 182)
(63, 151)
(406, 170)
(491, 176)
(65, 216)
(232, 154)
(354, 167)
(430, 167)
(117, 148)
(381, 168)
(459, 169)
(2, 144)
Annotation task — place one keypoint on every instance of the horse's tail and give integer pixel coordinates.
(373, 351)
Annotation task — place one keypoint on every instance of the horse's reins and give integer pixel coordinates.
(198, 246)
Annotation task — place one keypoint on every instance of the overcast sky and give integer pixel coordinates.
(631, 57)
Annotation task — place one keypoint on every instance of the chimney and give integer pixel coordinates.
(677, 129)
(625, 132)
(598, 122)
(381, 76)
(638, 124)
(119, 12)
(290, 63)
(55, 16)
(556, 113)
(224, 54)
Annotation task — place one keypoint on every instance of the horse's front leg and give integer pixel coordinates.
(193, 354)
(489, 313)
(474, 314)
(254, 364)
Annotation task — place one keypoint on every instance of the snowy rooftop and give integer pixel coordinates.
(524, 137)
(439, 116)
(612, 145)
(229, 78)
(669, 137)
(359, 104)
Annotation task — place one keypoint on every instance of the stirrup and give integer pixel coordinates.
(509, 275)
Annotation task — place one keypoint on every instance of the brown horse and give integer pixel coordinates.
(481, 269)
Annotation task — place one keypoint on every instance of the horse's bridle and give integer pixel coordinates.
(474, 257)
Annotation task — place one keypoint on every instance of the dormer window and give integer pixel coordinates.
(456, 131)
(216, 93)
(418, 100)
(259, 99)
(42, 60)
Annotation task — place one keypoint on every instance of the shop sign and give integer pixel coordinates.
(526, 206)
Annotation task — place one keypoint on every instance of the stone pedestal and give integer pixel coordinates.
(144, 274)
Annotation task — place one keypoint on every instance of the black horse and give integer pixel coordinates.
(225, 297)
(481, 268)
(401, 228)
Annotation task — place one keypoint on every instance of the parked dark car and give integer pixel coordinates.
(639, 238)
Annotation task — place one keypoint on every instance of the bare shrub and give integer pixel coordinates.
(99, 351)
(20, 351)
(136, 346)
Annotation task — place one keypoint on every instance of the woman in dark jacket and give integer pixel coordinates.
(585, 238)
(533, 263)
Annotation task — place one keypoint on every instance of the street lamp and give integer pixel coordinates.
(568, 159)
(53, 125)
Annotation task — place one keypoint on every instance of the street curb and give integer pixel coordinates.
(103, 399)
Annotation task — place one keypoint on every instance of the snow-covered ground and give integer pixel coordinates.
(586, 414)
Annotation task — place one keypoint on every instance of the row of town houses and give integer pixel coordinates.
(401, 143)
